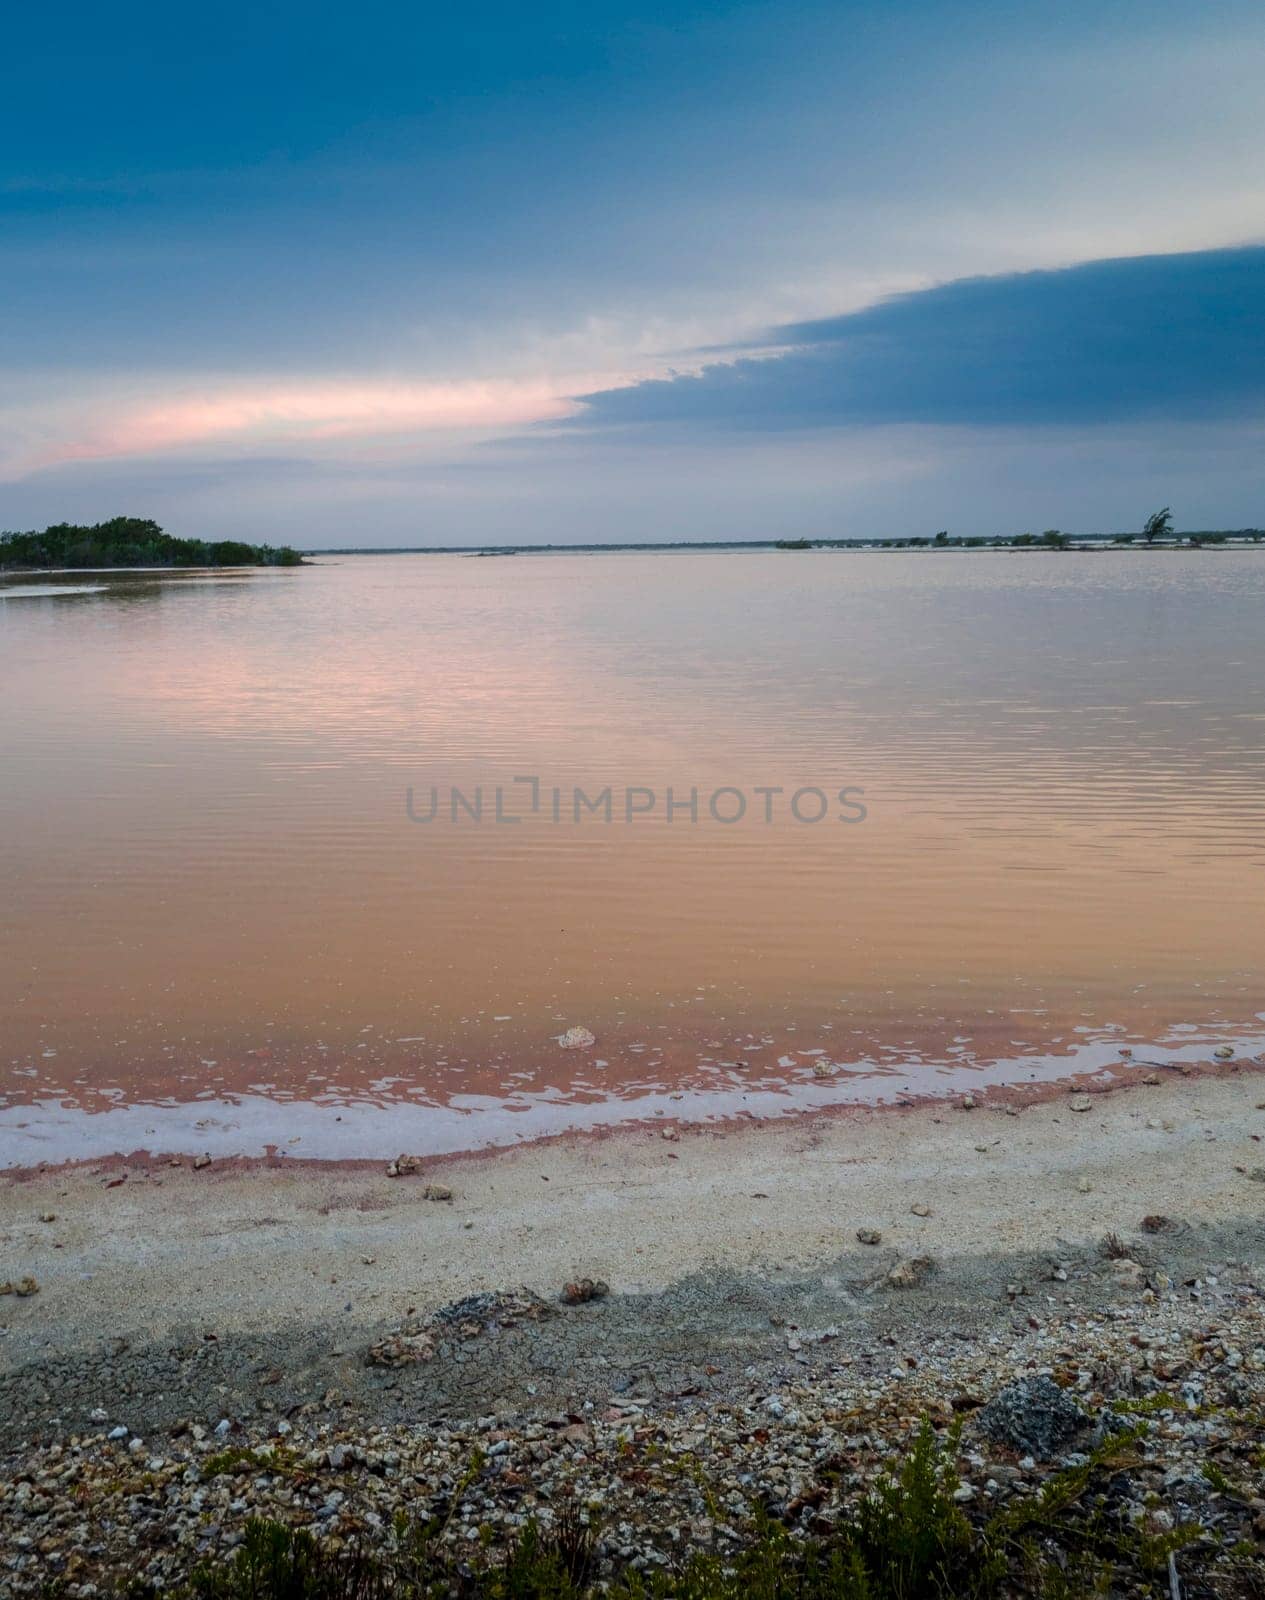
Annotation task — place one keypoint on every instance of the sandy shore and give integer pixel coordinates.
(237, 1249)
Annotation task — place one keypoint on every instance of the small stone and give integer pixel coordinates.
(201, 1161)
(1079, 1102)
(437, 1191)
(403, 1166)
(98, 1414)
(1033, 1415)
(910, 1273)
(869, 1236)
(401, 1350)
(1154, 1223)
(117, 1433)
(1083, 1186)
(967, 1400)
(584, 1290)
(25, 1287)
(48, 1216)
(967, 1102)
(1224, 1052)
(919, 1209)
(577, 1039)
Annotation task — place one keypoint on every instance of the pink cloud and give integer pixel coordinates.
(291, 412)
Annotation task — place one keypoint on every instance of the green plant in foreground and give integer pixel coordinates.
(908, 1538)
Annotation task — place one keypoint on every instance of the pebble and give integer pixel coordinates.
(23, 1288)
(584, 1290)
(869, 1236)
(910, 1273)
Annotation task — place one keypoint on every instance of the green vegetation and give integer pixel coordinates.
(133, 542)
(1158, 526)
(235, 1462)
(908, 1538)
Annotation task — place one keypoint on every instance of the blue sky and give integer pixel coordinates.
(410, 274)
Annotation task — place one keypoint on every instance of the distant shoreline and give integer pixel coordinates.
(1235, 539)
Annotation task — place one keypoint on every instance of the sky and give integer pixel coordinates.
(417, 274)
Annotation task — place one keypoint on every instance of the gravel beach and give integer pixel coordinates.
(757, 1300)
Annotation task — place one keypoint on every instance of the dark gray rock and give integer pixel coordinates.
(1033, 1416)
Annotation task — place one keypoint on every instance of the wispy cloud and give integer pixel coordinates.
(250, 416)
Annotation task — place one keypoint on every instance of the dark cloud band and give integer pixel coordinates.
(1149, 337)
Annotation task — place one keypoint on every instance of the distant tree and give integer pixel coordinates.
(1158, 525)
(943, 536)
(131, 542)
(1055, 539)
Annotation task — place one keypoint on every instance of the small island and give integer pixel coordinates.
(131, 542)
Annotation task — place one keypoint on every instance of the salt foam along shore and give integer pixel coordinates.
(340, 1129)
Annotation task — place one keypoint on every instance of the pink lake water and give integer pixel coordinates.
(225, 925)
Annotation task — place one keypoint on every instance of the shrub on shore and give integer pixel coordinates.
(133, 542)
(908, 1538)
